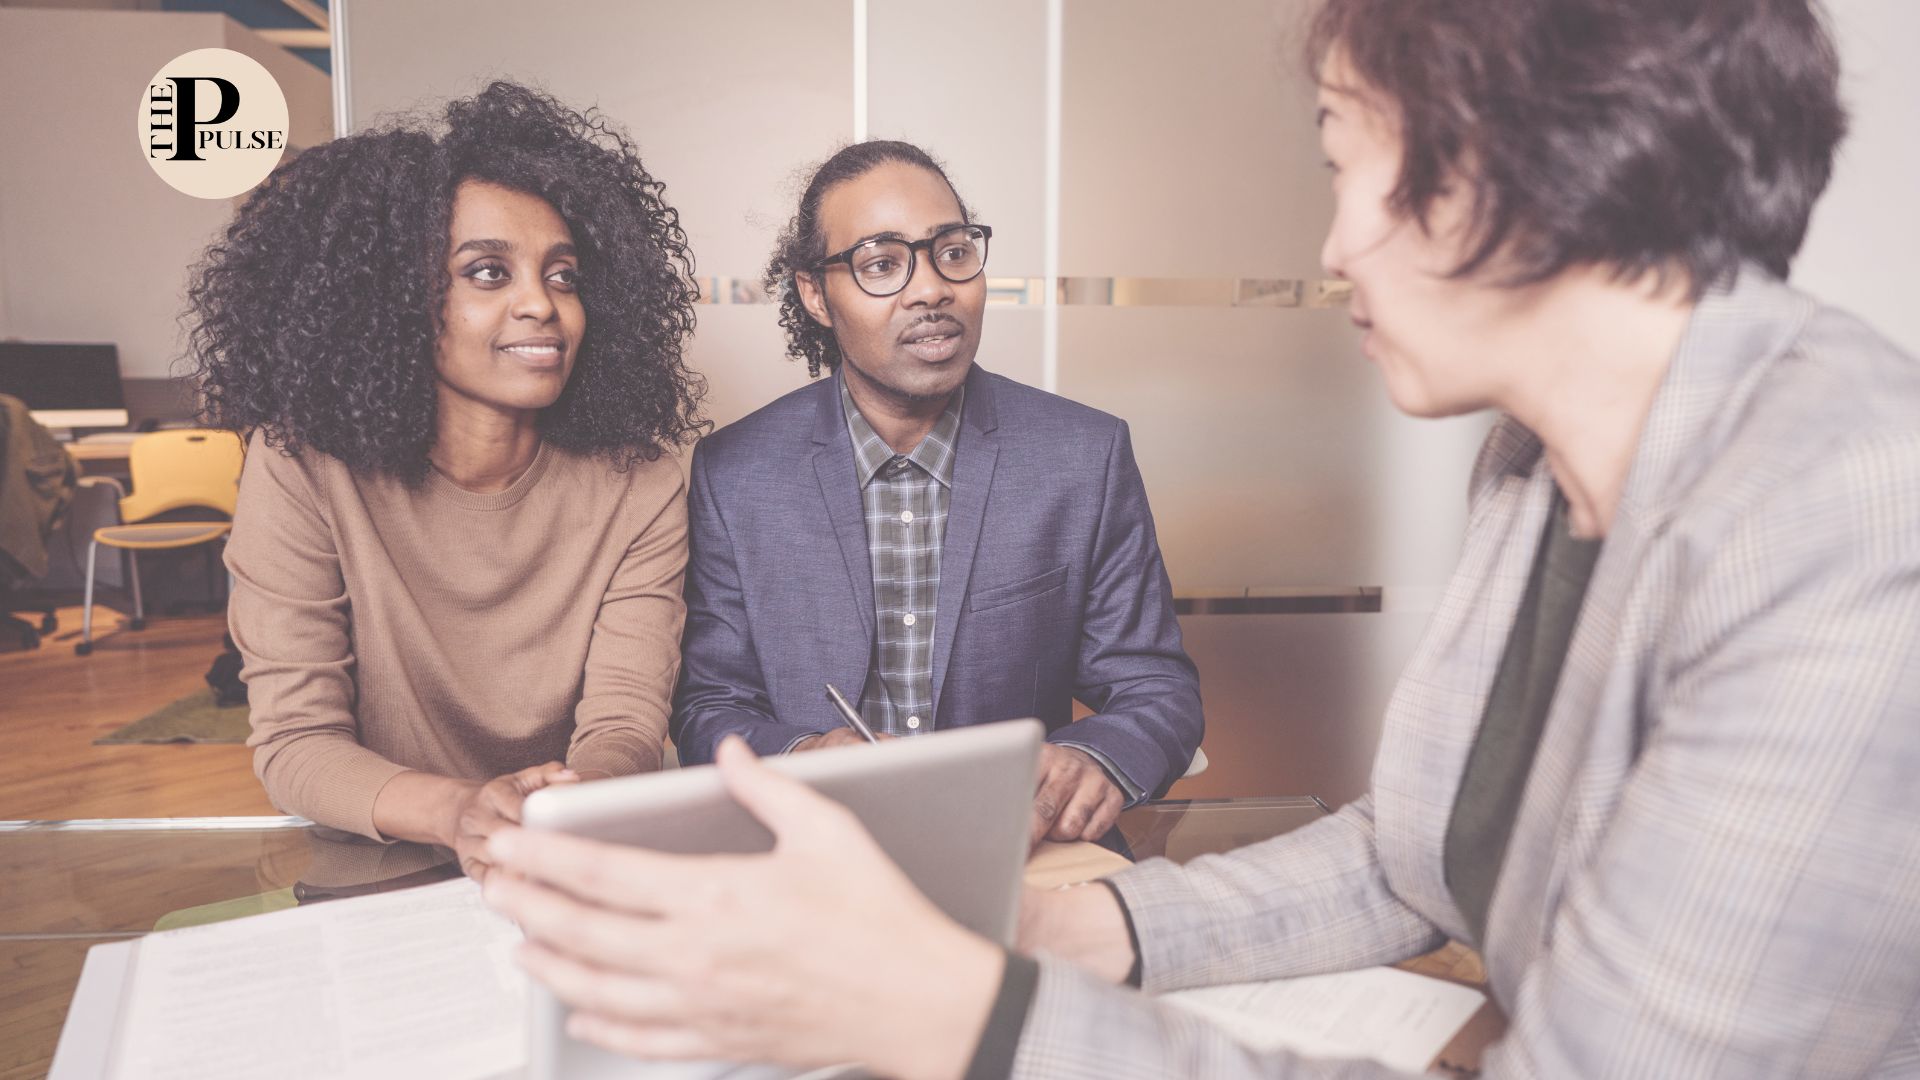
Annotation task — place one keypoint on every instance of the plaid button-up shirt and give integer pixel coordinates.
(905, 497)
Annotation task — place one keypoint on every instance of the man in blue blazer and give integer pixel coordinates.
(954, 546)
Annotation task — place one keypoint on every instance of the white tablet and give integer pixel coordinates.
(952, 809)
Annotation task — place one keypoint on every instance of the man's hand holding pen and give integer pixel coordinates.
(836, 737)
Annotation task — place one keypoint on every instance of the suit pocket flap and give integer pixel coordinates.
(1001, 595)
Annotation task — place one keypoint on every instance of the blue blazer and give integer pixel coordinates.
(1051, 583)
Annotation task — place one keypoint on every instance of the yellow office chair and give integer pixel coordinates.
(171, 470)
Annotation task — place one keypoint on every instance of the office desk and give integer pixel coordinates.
(69, 885)
(99, 451)
(100, 459)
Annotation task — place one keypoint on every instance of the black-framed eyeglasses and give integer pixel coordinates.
(883, 267)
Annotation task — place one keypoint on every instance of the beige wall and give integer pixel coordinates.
(1860, 251)
(93, 245)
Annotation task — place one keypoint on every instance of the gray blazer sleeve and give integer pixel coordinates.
(1312, 901)
(1132, 670)
(1753, 907)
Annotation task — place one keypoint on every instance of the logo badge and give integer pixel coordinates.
(213, 123)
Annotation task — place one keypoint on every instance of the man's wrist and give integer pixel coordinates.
(803, 740)
(1109, 771)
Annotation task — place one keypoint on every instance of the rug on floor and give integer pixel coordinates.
(193, 719)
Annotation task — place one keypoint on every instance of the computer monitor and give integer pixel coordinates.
(65, 386)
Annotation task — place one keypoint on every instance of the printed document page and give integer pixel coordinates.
(393, 986)
(405, 984)
(1391, 1016)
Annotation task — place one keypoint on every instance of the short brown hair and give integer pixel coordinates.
(1640, 135)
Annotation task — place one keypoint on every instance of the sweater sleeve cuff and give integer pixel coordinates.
(615, 755)
(993, 1058)
(328, 781)
(348, 802)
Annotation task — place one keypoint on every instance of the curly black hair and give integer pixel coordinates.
(314, 318)
(802, 244)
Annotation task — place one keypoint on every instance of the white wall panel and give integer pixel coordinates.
(1860, 250)
(1188, 146)
(967, 86)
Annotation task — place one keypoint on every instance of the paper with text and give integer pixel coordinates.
(1394, 1017)
(405, 984)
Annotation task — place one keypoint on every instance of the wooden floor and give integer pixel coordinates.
(53, 704)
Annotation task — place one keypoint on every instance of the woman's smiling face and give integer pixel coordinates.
(511, 327)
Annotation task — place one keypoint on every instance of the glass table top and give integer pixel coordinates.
(122, 877)
(68, 885)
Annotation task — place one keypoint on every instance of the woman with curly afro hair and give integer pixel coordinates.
(455, 350)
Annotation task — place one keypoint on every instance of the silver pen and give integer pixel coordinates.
(848, 713)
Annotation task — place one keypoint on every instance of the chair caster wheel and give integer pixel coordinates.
(48, 624)
(137, 624)
(82, 648)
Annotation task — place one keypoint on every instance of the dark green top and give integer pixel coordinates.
(1502, 753)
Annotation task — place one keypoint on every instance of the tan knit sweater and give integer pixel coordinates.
(388, 628)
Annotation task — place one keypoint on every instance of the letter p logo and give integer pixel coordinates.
(212, 123)
(183, 147)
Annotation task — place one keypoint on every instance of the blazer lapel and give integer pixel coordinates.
(973, 464)
(1435, 710)
(833, 468)
(1567, 801)
(1551, 807)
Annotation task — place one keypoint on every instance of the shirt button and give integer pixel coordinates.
(907, 618)
(913, 723)
(906, 516)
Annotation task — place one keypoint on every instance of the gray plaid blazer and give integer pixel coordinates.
(1715, 871)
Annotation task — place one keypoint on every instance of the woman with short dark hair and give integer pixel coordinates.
(460, 539)
(1656, 754)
